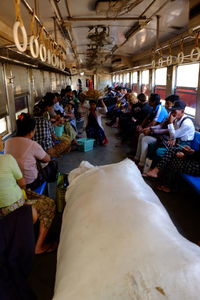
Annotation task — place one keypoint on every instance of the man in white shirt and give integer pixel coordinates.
(181, 128)
(179, 125)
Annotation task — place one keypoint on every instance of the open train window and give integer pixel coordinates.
(134, 82)
(145, 83)
(21, 104)
(3, 125)
(126, 78)
(160, 82)
(186, 85)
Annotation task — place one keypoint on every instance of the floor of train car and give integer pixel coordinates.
(182, 206)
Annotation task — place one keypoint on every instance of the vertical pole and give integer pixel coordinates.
(171, 80)
(55, 29)
(151, 81)
(139, 81)
(157, 30)
(197, 114)
(9, 81)
(36, 5)
(129, 79)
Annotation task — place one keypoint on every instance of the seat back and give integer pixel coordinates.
(41, 188)
(196, 141)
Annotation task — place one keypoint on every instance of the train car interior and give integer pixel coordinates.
(103, 92)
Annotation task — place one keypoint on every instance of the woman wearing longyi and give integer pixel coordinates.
(12, 197)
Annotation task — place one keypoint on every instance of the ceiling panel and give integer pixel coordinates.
(173, 20)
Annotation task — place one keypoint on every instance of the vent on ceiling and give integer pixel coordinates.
(121, 62)
(176, 27)
(103, 5)
(194, 13)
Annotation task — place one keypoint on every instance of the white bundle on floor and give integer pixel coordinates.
(118, 242)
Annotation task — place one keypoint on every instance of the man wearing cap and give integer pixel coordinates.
(181, 128)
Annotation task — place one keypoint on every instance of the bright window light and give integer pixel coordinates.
(145, 77)
(161, 76)
(134, 77)
(3, 125)
(188, 75)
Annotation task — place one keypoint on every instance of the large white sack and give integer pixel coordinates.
(118, 242)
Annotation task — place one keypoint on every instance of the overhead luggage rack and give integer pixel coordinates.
(16, 57)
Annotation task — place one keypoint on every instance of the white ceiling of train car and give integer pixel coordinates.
(173, 20)
(173, 13)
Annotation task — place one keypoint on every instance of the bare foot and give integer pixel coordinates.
(40, 250)
(144, 175)
(152, 173)
(47, 248)
(163, 188)
(115, 126)
(52, 247)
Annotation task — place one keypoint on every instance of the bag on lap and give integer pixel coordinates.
(49, 173)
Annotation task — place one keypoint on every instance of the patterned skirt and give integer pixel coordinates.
(44, 206)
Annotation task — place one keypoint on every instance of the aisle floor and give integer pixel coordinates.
(183, 207)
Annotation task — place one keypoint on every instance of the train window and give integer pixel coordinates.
(21, 104)
(160, 82)
(3, 125)
(145, 83)
(3, 97)
(117, 78)
(186, 85)
(134, 77)
(121, 79)
(126, 78)
(134, 82)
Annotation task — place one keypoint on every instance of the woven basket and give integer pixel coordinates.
(62, 183)
(60, 198)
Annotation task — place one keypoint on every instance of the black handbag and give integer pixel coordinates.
(49, 173)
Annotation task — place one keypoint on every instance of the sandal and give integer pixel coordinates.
(48, 248)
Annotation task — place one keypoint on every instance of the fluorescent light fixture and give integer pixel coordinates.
(81, 73)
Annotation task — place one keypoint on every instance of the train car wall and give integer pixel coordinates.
(17, 80)
(74, 81)
(103, 80)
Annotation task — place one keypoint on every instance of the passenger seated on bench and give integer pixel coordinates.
(12, 197)
(27, 152)
(44, 133)
(158, 115)
(181, 129)
(176, 161)
(155, 134)
(69, 113)
(57, 107)
(49, 99)
(139, 109)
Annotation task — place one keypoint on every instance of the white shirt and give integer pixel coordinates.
(184, 131)
(57, 106)
(99, 112)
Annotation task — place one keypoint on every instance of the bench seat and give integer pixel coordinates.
(194, 181)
